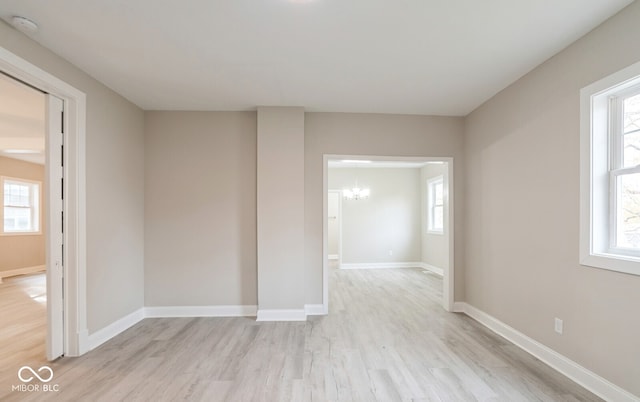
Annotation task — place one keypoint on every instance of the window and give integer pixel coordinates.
(625, 171)
(21, 211)
(610, 172)
(435, 194)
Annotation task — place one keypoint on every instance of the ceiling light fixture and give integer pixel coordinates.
(24, 24)
(356, 193)
(354, 161)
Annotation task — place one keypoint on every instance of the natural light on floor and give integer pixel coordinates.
(37, 293)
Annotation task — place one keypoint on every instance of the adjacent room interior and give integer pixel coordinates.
(389, 214)
(22, 234)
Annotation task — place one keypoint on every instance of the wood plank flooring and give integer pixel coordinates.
(23, 323)
(386, 339)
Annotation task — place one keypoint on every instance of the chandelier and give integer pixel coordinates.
(356, 193)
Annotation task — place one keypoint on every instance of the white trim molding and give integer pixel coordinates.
(22, 271)
(75, 227)
(458, 307)
(103, 335)
(599, 166)
(116, 328)
(382, 265)
(333, 256)
(282, 315)
(432, 268)
(581, 375)
(201, 311)
(315, 309)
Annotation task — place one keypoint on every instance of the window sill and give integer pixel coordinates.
(436, 232)
(21, 234)
(613, 262)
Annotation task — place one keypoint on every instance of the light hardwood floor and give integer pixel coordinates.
(22, 323)
(386, 339)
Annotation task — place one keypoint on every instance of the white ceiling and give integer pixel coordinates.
(22, 116)
(440, 57)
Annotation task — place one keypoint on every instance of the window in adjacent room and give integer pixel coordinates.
(435, 194)
(21, 211)
(610, 172)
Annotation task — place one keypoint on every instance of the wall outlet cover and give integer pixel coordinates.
(558, 325)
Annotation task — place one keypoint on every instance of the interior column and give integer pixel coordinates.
(280, 213)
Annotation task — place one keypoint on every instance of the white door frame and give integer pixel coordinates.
(339, 219)
(449, 272)
(54, 175)
(75, 295)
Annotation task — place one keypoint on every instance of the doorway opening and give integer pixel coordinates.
(65, 265)
(31, 176)
(393, 212)
(23, 220)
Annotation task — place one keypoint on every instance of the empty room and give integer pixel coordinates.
(320, 200)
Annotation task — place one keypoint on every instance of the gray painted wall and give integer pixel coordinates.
(219, 150)
(373, 134)
(200, 208)
(280, 208)
(115, 186)
(522, 211)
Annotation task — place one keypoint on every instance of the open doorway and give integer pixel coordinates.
(66, 334)
(23, 229)
(31, 218)
(395, 213)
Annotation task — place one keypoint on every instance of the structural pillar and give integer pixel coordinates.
(280, 214)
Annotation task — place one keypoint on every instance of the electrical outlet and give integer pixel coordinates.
(390, 252)
(558, 325)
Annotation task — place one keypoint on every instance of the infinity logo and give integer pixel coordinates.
(43, 368)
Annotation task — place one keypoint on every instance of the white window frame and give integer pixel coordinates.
(35, 206)
(431, 197)
(599, 167)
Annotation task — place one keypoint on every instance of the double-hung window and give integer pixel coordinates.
(435, 194)
(21, 206)
(610, 172)
(624, 119)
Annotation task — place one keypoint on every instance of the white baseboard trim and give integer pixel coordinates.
(581, 375)
(22, 271)
(101, 336)
(459, 307)
(314, 309)
(83, 343)
(281, 315)
(333, 256)
(381, 265)
(201, 311)
(432, 268)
